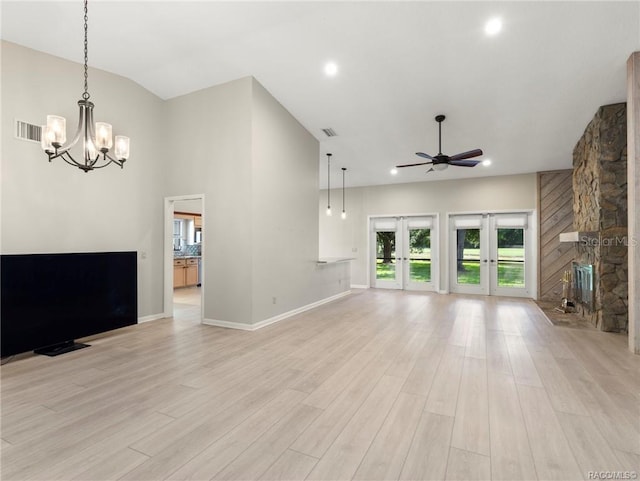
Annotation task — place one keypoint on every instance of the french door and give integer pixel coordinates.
(490, 254)
(404, 254)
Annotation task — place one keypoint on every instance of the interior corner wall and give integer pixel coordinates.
(210, 153)
(52, 207)
(349, 237)
(285, 274)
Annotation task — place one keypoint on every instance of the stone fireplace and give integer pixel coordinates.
(600, 218)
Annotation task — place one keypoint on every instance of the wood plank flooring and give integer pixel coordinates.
(379, 385)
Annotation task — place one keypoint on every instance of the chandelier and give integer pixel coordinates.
(97, 138)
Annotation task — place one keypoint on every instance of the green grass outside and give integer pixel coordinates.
(420, 270)
(509, 274)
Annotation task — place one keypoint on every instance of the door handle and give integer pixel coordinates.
(493, 260)
(484, 260)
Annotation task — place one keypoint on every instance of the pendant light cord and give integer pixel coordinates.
(344, 169)
(329, 181)
(86, 95)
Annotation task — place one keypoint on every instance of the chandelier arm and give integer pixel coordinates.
(120, 162)
(69, 160)
(91, 125)
(64, 148)
(111, 161)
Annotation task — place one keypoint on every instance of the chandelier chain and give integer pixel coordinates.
(86, 95)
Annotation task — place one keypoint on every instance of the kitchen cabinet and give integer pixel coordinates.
(197, 221)
(191, 272)
(185, 272)
(179, 278)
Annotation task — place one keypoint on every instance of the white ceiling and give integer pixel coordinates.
(524, 96)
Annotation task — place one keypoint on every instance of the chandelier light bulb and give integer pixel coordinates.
(343, 215)
(122, 147)
(329, 211)
(91, 150)
(46, 139)
(57, 129)
(104, 139)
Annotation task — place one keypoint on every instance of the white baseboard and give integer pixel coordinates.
(152, 317)
(258, 325)
(229, 324)
(359, 286)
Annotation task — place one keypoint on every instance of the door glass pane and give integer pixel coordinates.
(468, 256)
(511, 257)
(386, 255)
(420, 255)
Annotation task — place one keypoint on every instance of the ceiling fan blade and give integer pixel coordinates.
(464, 163)
(413, 165)
(422, 154)
(466, 155)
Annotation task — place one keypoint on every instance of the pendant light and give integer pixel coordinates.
(329, 184)
(344, 212)
(96, 138)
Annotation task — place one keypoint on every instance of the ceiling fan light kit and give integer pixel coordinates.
(441, 161)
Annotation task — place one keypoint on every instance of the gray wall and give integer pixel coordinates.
(349, 237)
(258, 169)
(52, 207)
(210, 153)
(285, 218)
(256, 165)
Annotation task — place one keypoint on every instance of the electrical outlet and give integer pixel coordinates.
(274, 300)
(354, 249)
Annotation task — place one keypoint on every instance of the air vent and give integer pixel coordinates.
(329, 132)
(26, 131)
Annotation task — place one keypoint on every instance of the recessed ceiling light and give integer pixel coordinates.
(486, 162)
(331, 69)
(393, 171)
(493, 26)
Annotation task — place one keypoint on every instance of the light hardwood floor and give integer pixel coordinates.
(377, 385)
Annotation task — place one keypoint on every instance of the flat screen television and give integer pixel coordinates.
(49, 300)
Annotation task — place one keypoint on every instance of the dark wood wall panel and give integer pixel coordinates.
(555, 213)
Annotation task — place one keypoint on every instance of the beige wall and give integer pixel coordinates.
(52, 207)
(349, 237)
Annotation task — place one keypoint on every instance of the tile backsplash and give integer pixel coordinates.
(190, 250)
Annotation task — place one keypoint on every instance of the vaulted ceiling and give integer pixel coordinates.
(524, 95)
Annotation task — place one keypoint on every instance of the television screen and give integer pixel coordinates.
(48, 299)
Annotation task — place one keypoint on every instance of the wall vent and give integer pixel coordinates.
(329, 132)
(27, 131)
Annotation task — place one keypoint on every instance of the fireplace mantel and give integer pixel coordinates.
(577, 236)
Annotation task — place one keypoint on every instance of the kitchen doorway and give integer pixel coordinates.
(184, 258)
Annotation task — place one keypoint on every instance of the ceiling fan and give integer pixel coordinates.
(442, 161)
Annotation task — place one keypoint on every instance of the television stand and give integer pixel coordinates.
(62, 348)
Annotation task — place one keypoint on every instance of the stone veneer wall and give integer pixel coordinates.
(600, 205)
